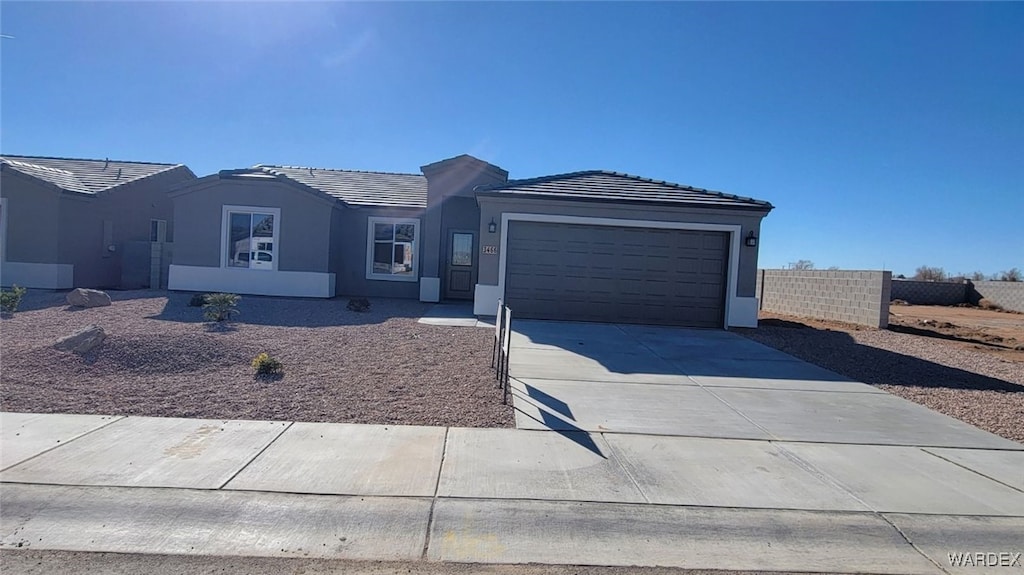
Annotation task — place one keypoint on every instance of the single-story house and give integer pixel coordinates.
(65, 222)
(590, 246)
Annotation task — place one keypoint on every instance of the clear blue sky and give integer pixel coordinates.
(884, 133)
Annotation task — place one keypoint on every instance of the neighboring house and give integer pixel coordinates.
(592, 246)
(64, 222)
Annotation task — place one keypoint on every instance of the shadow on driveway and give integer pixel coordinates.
(741, 353)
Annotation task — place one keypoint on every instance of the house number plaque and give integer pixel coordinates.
(490, 250)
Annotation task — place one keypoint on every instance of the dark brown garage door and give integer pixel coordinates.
(616, 274)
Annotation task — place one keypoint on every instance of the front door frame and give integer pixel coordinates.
(473, 268)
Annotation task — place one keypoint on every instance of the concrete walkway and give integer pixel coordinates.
(646, 452)
(453, 315)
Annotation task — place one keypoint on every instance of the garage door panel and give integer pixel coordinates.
(616, 274)
(712, 268)
(713, 242)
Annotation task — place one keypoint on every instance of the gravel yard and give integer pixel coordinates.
(160, 359)
(972, 385)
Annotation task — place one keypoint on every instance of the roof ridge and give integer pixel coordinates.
(91, 160)
(342, 170)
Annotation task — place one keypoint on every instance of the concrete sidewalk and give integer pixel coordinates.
(273, 489)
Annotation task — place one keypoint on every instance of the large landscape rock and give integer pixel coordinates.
(81, 297)
(82, 341)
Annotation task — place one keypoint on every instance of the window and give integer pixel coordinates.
(462, 249)
(250, 236)
(158, 230)
(392, 248)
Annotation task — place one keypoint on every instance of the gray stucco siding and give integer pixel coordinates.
(134, 205)
(495, 207)
(129, 209)
(304, 227)
(33, 219)
(80, 242)
(451, 204)
(47, 225)
(454, 213)
(349, 244)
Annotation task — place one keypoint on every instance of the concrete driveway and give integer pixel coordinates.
(709, 418)
(707, 383)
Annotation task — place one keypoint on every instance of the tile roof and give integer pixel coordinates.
(359, 188)
(84, 176)
(616, 186)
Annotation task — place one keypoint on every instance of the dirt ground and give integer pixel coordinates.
(161, 359)
(993, 332)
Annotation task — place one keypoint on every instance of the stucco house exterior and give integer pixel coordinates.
(590, 246)
(64, 222)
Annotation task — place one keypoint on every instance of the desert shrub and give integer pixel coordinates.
(931, 274)
(11, 299)
(220, 306)
(198, 300)
(984, 303)
(359, 304)
(266, 365)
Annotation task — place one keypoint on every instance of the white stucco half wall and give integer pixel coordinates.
(485, 300)
(41, 276)
(251, 281)
(743, 312)
(430, 289)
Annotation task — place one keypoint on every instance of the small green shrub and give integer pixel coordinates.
(266, 365)
(198, 300)
(11, 299)
(220, 307)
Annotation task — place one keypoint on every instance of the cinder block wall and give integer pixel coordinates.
(1010, 295)
(860, 297)
(929, 293)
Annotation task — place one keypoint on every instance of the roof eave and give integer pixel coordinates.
(40, 181)
(632, 201)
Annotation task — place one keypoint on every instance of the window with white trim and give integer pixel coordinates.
(392, 249)
(249, 237)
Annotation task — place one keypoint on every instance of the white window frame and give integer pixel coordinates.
(225, 234)
(370, 240)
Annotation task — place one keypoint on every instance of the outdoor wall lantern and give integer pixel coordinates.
(492, 227)
(751, 240)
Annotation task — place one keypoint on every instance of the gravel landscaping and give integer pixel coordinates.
(161, 359)
(976, 387)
